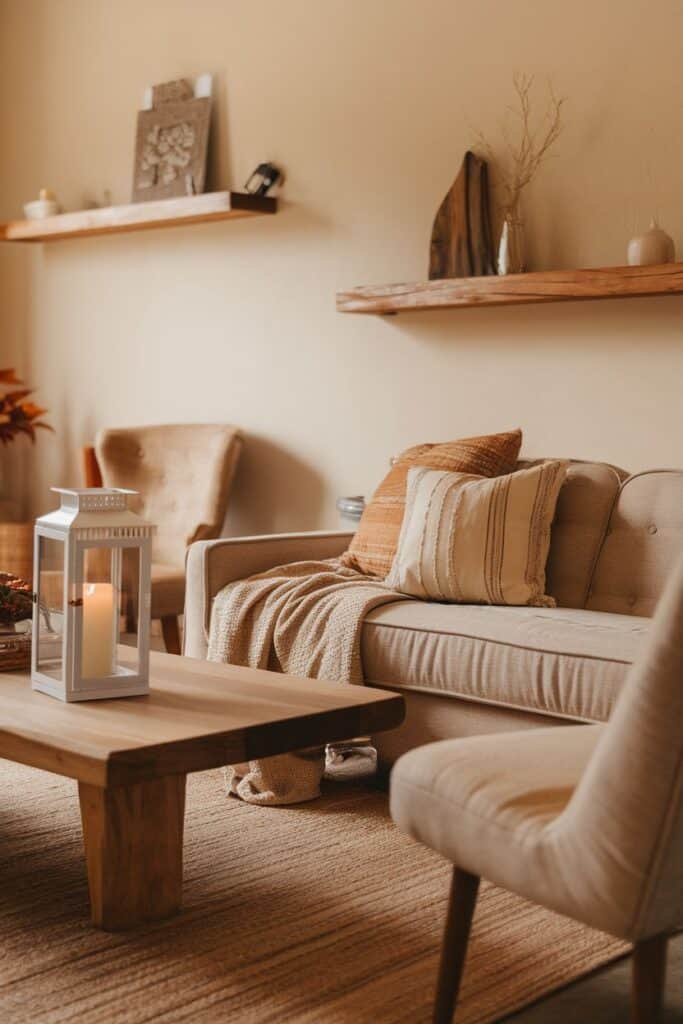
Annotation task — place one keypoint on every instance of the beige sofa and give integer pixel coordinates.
(469, 669)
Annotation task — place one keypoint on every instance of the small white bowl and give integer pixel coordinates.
(40, 208)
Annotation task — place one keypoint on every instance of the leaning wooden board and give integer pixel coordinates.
(461, 243)
(131, 755)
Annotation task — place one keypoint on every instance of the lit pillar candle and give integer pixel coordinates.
(98, 632)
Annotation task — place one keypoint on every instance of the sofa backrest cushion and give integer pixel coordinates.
(644, 537)
(581, 517)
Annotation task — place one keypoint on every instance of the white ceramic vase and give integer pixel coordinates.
(654, 246)
(511, 247)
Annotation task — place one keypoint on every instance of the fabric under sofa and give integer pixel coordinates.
(469, 669)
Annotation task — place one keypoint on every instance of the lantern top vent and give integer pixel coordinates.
(96, 513)
(94, 499)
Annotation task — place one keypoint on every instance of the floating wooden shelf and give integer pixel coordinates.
(514, 289)
(161, 213)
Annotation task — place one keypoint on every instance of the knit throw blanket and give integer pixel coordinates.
(304, 619)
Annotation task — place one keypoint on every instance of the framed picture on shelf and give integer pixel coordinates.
(172, 141)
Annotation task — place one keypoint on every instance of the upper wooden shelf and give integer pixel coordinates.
(161, 213)
(514, 289)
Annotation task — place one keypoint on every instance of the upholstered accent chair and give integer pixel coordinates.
(586, 820)
(183, 473)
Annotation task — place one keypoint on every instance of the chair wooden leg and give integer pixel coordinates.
(171, 633)
(463, 899)
(648, 973)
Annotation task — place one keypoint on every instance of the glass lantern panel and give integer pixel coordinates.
(99, 601)
(130, 605)
(110, 599)
(51, 617)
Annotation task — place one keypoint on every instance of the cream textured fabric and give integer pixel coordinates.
(471, 539)
(566, 662)
(643, 538)
(587, 820)
(304, 619)
(212, 564)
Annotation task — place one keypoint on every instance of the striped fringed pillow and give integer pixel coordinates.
(373, 547)
(468, 539)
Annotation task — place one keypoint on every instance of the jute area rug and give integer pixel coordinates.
(321, 914)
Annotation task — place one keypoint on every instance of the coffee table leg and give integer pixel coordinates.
(133, 838)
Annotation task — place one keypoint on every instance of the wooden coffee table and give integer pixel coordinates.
(131, 755)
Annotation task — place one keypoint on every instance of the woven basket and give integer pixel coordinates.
(15, 652)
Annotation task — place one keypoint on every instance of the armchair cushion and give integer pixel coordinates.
(496, 780)
(489, 803)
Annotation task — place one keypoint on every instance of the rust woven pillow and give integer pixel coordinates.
(374, 545)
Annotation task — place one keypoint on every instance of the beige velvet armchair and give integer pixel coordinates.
(183, 473)
(585, 820)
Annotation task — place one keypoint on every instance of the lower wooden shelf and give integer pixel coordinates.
(160, 213)
(515, 289)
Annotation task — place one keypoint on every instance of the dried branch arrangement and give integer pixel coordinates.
(529, 147)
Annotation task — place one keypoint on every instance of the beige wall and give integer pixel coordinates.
(369, 105)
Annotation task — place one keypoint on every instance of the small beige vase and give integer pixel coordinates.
(655, 246)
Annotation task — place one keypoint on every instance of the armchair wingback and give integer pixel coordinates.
(183, 473)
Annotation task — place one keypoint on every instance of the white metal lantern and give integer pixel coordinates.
(92, 560)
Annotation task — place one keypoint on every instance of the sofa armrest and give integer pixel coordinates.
(212, 564)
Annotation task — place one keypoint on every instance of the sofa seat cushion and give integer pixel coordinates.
(565, 662)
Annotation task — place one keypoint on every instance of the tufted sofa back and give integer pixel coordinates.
(183, 473)
(643, 540)
(614, 537)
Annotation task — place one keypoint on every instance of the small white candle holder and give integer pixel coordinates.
(92, 562)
